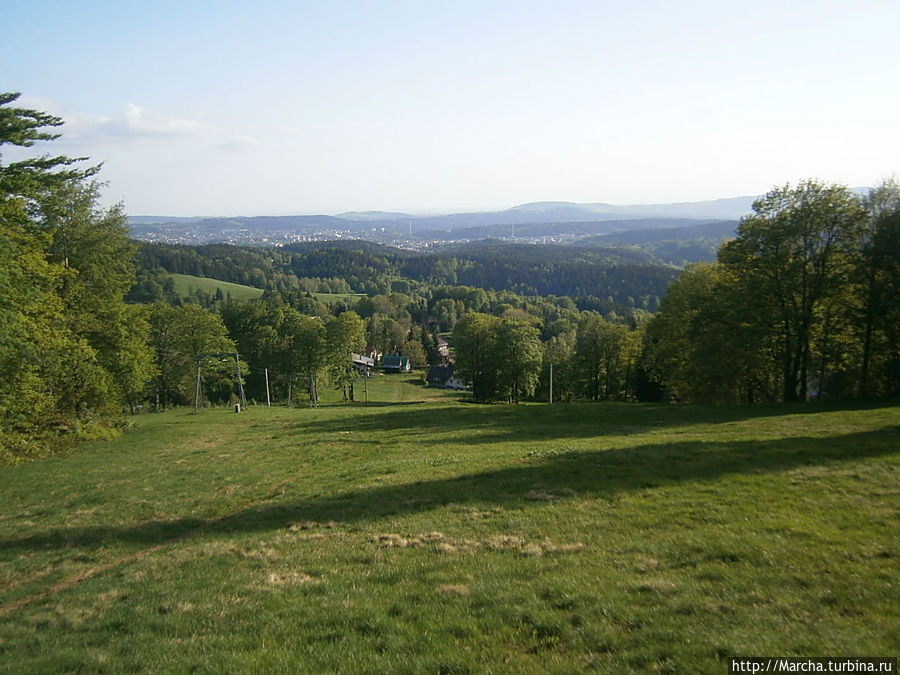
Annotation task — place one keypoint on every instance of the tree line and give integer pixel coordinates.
(802, 303)
(603, 279)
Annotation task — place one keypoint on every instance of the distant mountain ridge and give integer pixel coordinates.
(535, 220)
(731, 208)
(721, 209)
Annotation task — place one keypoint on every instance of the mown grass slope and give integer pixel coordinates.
(186, 285)
(427, 534)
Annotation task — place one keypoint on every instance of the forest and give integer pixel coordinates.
(607, 279)
(800, 304)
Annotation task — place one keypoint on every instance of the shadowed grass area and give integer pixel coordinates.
(553, 474)
(424, 535)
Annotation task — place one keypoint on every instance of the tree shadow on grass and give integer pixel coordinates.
(586, 474)
(466, 424)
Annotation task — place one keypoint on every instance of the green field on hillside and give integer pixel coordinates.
(186, 285)
(423, 533)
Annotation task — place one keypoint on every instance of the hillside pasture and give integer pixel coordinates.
(422, 533)
(186, 285)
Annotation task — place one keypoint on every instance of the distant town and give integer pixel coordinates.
(538, 223)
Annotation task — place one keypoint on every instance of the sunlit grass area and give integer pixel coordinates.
(186, 285)
(422, 533)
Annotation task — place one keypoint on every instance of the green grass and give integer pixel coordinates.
(186, 285)
(422, 533)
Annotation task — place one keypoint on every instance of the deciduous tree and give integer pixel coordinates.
(518, 355)
(797, 250)
(345, 335)
(178, 335)
(474, 339)
(879, 280)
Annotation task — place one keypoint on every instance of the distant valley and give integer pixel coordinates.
(538, 222)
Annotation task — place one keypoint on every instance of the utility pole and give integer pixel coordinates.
(237, 362)
(197, 389)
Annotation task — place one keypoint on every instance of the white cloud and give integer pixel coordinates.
(139, 121)
(132, 122)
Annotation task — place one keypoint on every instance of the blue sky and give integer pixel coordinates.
(278, 107)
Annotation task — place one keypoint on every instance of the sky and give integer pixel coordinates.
(278, 107)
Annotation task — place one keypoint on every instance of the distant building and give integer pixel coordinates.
(443, 347)
(364, 365)
(443, 377)
(394, 363)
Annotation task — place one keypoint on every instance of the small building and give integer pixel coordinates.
(443, 347)
(394, 363)
(443, 377)
(364, 364)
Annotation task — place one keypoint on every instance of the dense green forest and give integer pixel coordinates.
(801, 303)
(604, 279)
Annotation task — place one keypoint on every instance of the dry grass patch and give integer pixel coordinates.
(477, 514)
(395, 540)
(436, 540)
(497, 542)
(505, 542)
(292, 579)
(312, 536)
(644, 564)
(457, 546)
(262, 554)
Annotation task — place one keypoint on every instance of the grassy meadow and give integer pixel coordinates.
(186, 285)
(422, 533)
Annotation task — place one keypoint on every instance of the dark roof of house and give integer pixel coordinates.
(439, 374)
(394, 361)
